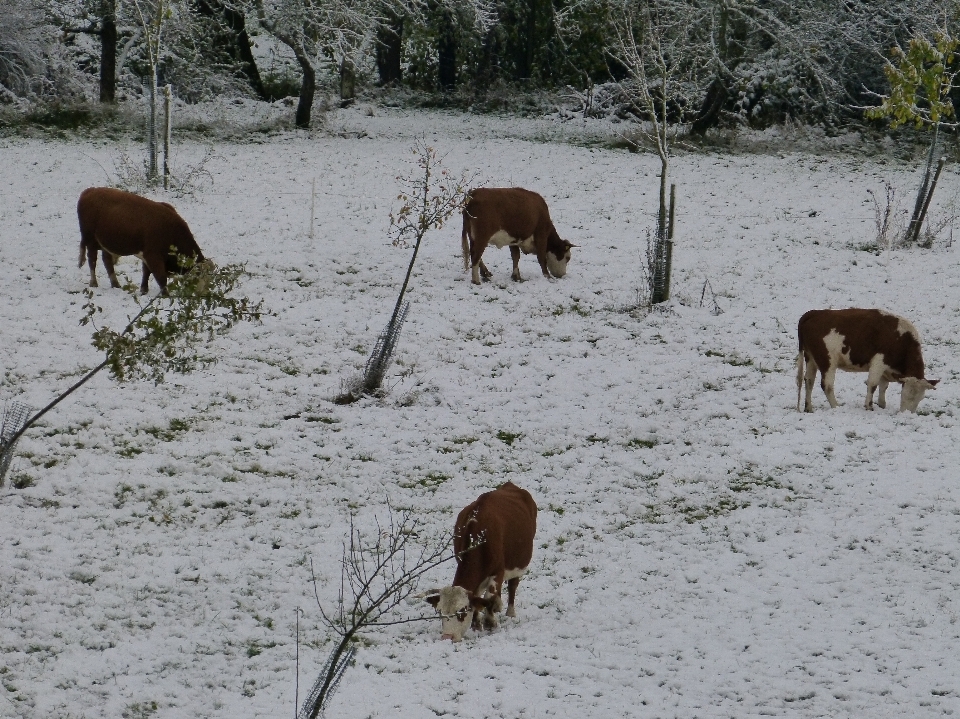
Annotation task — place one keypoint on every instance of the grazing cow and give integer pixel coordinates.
(121, 223)
(514, 217)
(493, 542)
(885, 346)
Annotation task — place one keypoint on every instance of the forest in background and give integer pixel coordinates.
(711, 63)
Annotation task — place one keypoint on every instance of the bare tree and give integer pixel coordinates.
(655, 42)
(378, 573)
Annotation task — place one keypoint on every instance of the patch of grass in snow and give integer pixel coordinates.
(22, 480)
(127, 450)
(430, 482)
(140, 710)
(458, 442)
(174, 429)
(645, 443)
(82, 577)
(508, 438)
(285, 366)
(323, 419)
(70, 430)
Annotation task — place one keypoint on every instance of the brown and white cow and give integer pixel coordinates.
(493, 542)
(885, 346)
(116, 223)
(515, 218)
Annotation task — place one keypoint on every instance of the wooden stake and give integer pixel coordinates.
(313, 198)
(167, 96)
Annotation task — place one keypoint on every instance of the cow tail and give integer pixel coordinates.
(800, 360)
(464, 244)
(83, 252)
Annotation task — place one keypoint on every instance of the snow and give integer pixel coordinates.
(703, 549)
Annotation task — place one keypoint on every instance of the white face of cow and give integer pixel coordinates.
(913, 391)
(456, 612)
(558, 267)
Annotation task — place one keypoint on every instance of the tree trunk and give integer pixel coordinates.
(238, 25)
(308, 87)
(108, 51)
(709, 115)
(488, 69)
(730, 38)
(348, 82)
(447, 52)
(528, 52)
(389, 49)
(238, 44)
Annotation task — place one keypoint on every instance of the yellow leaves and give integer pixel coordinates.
(921, 79)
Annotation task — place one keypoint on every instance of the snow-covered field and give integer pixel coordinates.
(703, 548)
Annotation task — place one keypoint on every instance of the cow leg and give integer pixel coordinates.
(511, 595)
(108, 263)
(479, 270)
(92, 264)
(810, 376)
(882, 397)
(476, 252)
(826, 382)
(494, 605)
(154, 264)
(145, 281)
(874, 378)
(515, 256)
(542, 259)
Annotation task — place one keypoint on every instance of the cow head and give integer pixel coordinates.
(558, 255)
(456, 607)
(913, 391)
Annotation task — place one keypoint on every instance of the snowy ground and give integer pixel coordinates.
(703, 548)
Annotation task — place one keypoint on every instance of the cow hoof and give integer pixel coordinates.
(511, 612)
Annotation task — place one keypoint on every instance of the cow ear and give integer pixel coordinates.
(933, 382)
(433, 600)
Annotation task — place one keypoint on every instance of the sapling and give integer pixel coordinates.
(429, 196)
(379, 572)
(921, 78)
(168, 334)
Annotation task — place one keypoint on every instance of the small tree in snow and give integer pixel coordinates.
(921, 79)
(430, 195)
(379, 572)
(650, 40)
(168, 334)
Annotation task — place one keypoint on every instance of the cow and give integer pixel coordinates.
(492, 542)
(513, 217)
(116, 223)
(884, 345)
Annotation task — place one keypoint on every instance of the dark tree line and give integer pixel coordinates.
(750, 61)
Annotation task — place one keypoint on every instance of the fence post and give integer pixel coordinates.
(313, 199)
(926, 201)
(668, 270)
(152, 128)
(167, 95)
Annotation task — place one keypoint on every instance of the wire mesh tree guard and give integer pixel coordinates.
(15, 415)
(327, 683)
(382, 354)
